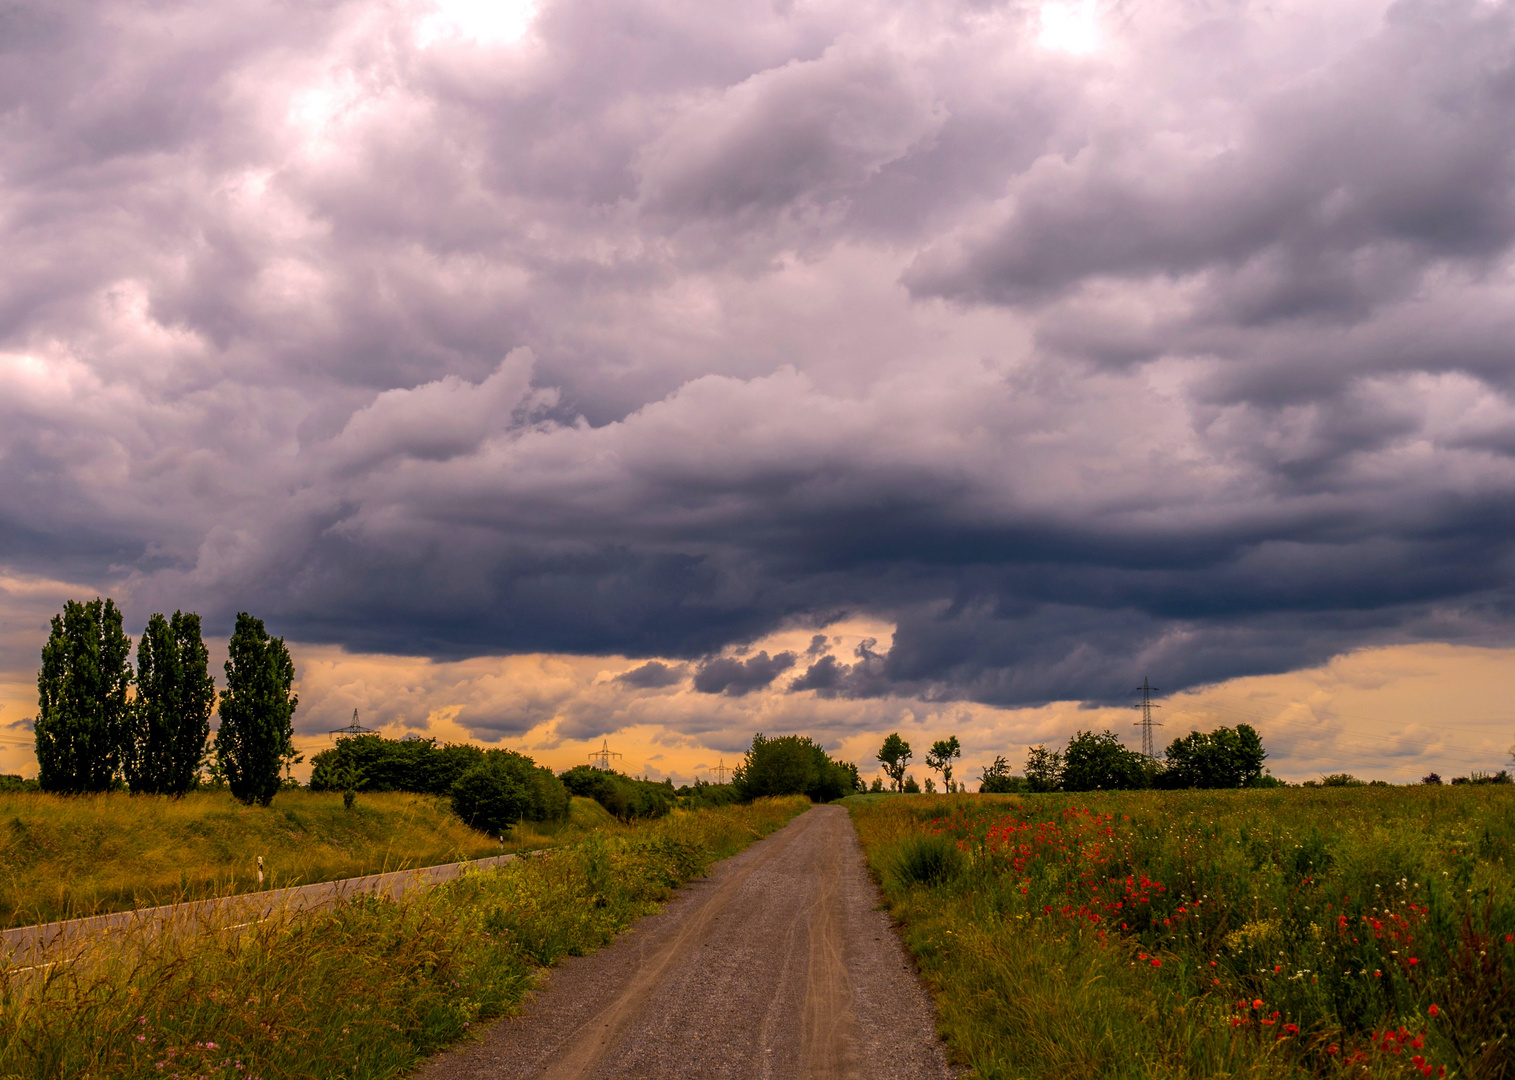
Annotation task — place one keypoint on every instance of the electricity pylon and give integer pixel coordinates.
(353, 728)
(601, 757)
(1146, 723)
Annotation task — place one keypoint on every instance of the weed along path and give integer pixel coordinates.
(779, 964)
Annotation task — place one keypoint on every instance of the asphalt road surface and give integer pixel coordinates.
(779, 964)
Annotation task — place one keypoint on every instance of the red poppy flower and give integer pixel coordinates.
(1434, 1011)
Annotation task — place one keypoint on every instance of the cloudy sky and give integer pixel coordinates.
(661, 371)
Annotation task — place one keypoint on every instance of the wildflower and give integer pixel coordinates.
(1333, 1049)
(1434, 1011)
(1257, 1004)
(1413, 961)
(1156, 962)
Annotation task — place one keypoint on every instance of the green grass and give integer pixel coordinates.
(62, 857)
(276, 999)
(1210, 934)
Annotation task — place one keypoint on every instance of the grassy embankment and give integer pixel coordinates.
(276, 999)
(1332, 932)
(61, 857)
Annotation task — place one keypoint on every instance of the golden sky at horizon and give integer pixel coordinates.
(1392, 713)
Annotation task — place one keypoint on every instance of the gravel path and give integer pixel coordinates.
(779, 964)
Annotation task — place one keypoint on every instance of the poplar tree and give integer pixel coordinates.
(170, 719)
(257, 712)
(81, 698)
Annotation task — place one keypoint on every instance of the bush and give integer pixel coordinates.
(703, 794)
(423, 767)
(926, 859)
(417, 765)
(627, 798)
(490, 800)
(997, 780)
(1340, 779)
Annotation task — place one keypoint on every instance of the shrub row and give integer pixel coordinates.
(623, 796)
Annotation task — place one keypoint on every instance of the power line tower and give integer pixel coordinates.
(720, 772)
(1146, 723)
(601, 757)
(353, 728)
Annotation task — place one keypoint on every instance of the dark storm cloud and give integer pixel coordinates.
(733, 677)
(652, 675)
(654, 332)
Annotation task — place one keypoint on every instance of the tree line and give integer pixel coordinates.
(1092, 761)
(101, 725)
(1223, 758)
(493, 789)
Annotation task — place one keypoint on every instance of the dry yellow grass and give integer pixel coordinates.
(62, 857)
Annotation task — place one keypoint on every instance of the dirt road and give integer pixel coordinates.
(776, 965)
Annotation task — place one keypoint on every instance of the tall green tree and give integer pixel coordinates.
(1044, 769)
(941, 756)
(792, 765)
(170, 718)
(1223, 758)
(81, 698)
(257, 712)
(1101, 762)
(894, 756)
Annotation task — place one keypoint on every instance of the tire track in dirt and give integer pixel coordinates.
(777, 965)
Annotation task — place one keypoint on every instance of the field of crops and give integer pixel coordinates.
(1324, 932)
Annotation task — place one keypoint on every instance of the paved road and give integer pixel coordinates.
(779, 964)
(33, 944)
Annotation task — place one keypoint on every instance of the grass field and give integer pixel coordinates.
(61, 857)
(277, 999)
(1328, 932)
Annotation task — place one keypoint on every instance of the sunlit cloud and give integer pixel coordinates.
(483, 22)
(1070, 26)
